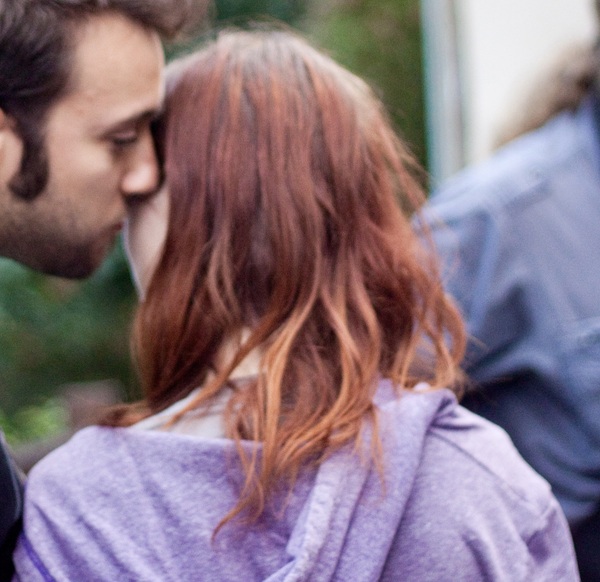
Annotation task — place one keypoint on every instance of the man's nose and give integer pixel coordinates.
(142, 174)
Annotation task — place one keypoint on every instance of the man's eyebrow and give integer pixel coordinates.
(142, 118)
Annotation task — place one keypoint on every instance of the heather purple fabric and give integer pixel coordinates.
(459, 504)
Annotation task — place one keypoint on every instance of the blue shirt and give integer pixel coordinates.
(519, 237)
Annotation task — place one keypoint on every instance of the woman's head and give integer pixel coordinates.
(285, 179)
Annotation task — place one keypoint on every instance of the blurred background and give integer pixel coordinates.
(454, 74)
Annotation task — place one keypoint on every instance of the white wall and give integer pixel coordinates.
(482, 59)
(504, 47)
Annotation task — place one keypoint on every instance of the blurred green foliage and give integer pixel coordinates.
(289, 11)
(54, 332)
(380, 40)
(35, 422)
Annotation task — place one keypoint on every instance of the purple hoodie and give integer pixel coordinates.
(458, 504)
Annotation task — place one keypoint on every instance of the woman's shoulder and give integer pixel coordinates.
(450, 438)
(485, 452)
(457, 448)
(115, 453)
(476, 506)
(84, 502)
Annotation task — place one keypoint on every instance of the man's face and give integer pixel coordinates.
(100, 151)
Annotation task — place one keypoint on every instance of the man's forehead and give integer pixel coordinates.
(111, 47)
(117, 69)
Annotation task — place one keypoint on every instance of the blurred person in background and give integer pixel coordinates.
(81, 80)
(297, 354)
(519, 238)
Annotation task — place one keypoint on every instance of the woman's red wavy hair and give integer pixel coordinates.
(286, 183)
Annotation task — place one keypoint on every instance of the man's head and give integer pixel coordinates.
(80, 81)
